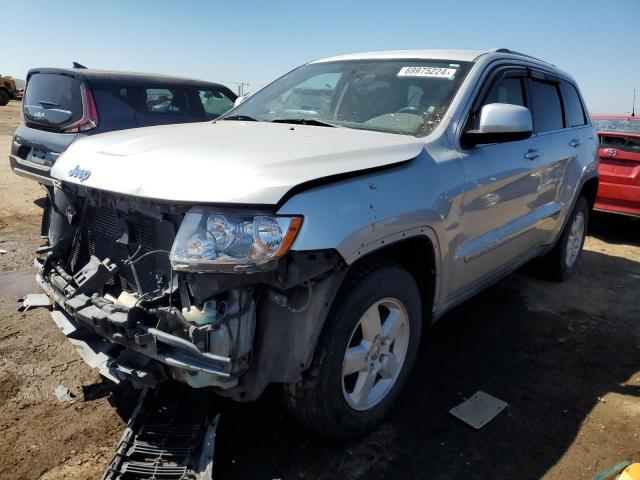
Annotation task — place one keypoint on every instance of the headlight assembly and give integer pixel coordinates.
(215, 241)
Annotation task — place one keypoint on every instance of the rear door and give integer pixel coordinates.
(551, 152)
(580, 139)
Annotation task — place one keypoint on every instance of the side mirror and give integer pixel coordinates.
(500, 122)
(239, 100)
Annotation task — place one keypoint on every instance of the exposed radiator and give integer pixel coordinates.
(105, 232)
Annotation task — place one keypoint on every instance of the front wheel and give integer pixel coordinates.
(560, 263)
(364, 355)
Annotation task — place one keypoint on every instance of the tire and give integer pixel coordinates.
(324, 400)
(558, 264)
(4, 98)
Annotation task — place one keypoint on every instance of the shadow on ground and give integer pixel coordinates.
(617, 229)
(550, 366)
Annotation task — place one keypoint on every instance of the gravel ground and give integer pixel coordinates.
(564, 356)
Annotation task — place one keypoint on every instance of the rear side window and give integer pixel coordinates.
(52, 100)
(573, 110)
(166, 101)
(214, 103)
(546, 106)
(129, 95)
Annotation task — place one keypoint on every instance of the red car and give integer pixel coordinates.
(619, 190)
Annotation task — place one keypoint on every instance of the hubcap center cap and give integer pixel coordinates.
(375, 352)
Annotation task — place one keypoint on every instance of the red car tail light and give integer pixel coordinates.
(89, 119)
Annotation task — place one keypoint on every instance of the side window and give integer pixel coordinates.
(546, 106)
(506, 90)
(573, 110)
(214, 102)
(130, 95)
(166, 101)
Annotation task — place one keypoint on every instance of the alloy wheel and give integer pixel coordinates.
(375, 354)
(574, 240)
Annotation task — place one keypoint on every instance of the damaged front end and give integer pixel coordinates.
(157, 290)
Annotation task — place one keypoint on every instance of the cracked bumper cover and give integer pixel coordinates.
(137, 355)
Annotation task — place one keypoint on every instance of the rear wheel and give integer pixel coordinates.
(364, 355)
(560, 263)
(4, 98)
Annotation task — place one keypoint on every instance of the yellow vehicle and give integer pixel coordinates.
(621, 471)
(8, 90)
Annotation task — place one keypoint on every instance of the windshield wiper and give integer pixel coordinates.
(304, 121)
(45, 103)
(243, 118)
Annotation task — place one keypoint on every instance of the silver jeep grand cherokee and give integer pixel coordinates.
(308, 237)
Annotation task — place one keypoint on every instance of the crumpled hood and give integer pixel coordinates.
(226, 161)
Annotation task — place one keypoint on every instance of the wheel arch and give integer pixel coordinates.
(416, 252)
(590, 191)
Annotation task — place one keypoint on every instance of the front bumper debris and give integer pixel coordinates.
(170, 435)
(100, 354)
(108, 340)
(34, 300)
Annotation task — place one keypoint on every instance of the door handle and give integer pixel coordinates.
(532, 154)
(574, 143)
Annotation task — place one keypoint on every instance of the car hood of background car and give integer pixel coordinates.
(226, 161)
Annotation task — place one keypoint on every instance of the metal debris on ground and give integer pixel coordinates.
(479, 409)
(64, 394)
(170, 436)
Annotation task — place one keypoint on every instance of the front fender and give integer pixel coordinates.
(357, 216)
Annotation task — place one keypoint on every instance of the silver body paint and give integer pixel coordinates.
(487, 210)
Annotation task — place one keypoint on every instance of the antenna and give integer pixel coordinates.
(241, 86)
(633, 106)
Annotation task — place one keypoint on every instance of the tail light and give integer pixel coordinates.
(89, 118)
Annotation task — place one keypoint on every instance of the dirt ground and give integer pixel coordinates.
(566, 357)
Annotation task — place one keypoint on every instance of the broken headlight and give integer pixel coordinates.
(211, 240)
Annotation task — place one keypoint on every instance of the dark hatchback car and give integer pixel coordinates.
(63, 105)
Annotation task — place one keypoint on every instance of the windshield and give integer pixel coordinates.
(617, 125)
(406, 97)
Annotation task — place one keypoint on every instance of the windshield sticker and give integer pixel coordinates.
(436, 72)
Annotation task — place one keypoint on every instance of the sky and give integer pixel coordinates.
(256, 42)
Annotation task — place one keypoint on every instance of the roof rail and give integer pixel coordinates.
(513, 52)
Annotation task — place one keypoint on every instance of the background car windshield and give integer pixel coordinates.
(613, 125)
(398, 96)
